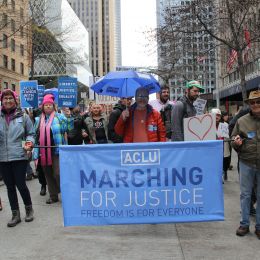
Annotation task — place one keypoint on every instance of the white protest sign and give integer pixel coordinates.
(106, 100)
(201, 127)
(223, 130)
(199, 105)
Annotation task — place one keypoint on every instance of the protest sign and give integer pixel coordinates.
(199, 105)
(29, 94)
(223, 130)
(67, 92)
(106, 100)
(142, 183)
(199, 128)
(40, 94)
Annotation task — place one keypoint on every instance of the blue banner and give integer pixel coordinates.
(142, 183)
(29, 94)
(40, 94)
(67, 92)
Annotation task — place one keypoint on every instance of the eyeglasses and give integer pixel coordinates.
(142, 97)
(6, 98)
(257, 102)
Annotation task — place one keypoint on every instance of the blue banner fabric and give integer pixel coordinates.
(29, 94)
(142, 183)
(40, 94)
(67, 92)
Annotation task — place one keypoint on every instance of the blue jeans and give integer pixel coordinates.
(247, 178)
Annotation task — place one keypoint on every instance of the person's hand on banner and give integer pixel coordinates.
(238, 140)
(28, 146)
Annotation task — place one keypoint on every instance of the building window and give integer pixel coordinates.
(5, 2)
(5, 43)
(5, 85)
(21, 49)
(13, 87)
(21, 68)
(13, 64)
(13, 25)
(4, 20)
(13, 5)
(5, 61)
(12, 45)
(21, 13)
(21, 31)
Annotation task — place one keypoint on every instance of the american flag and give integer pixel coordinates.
(232, 58)
(248, 44)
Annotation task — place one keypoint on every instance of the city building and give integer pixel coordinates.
(60, 44)
(14, 43)
(193, 55)
(102, 18)
(228, 91)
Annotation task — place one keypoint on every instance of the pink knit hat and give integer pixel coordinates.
(49, 98)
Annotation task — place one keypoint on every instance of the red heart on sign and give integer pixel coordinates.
(207, 122)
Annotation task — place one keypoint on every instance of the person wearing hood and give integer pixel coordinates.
(122, 104)
(16, 141)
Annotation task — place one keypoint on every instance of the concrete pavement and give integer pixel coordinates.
(46, 238)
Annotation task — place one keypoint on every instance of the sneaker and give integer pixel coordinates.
(257, 232)
(242, 231)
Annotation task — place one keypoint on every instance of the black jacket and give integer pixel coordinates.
(75, 135)
(115, 114)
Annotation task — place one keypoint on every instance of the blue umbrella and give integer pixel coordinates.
(125, 83)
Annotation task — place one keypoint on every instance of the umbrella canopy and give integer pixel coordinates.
(125, 83)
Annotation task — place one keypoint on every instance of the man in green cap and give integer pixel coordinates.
(184, 108)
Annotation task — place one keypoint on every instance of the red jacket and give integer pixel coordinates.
(154, 119)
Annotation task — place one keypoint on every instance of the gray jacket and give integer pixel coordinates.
(183, 108)
(11, 136)
(248, 128)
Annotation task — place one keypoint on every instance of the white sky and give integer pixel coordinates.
(138, 16)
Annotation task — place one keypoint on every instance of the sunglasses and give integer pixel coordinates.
(257, 102)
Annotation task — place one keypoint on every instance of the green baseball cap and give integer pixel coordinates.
(195, 83)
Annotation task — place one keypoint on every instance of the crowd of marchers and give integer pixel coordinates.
(35, 137)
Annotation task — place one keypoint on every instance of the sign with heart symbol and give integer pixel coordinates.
(199, 128)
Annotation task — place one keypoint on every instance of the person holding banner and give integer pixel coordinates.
(246, 142)
(16, 140)
(184, 108)
(97, 125)
(51, 128)
(141, 123)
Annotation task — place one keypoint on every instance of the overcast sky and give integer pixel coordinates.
(138, 16)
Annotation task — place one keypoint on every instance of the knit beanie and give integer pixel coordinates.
(49, 98)
(7, 92)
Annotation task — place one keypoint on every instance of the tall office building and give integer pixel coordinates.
(15, 35)
(190, 52)
(102, 20)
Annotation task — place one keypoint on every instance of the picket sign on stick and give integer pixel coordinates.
(199, 128)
